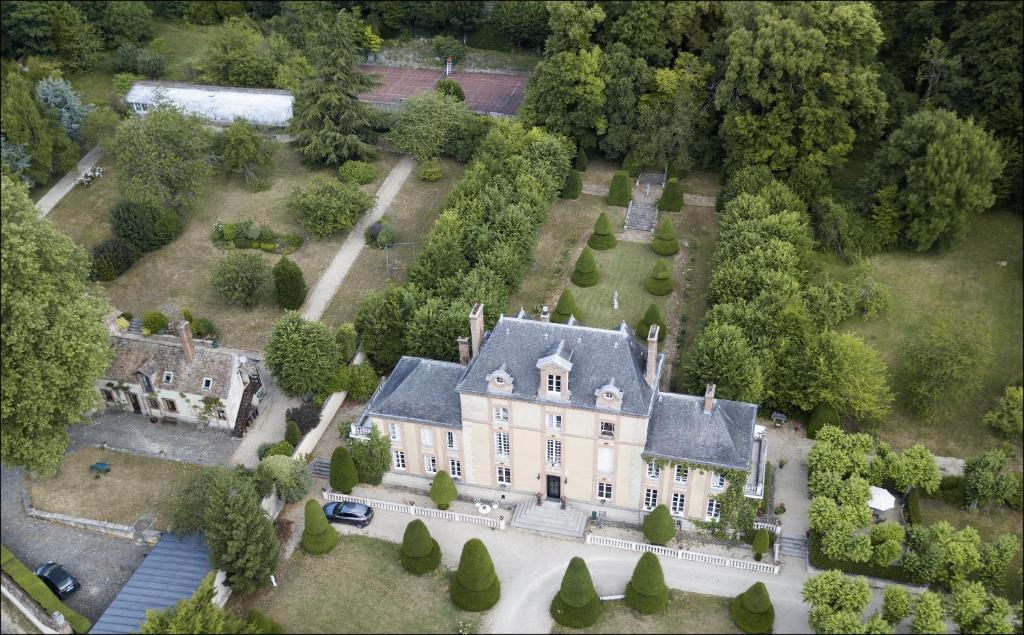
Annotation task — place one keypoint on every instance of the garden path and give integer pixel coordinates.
(67, 182)
(323, 291)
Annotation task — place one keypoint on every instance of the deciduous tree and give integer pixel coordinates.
(197, 614)
(423, 125)
(300, 354)
(721, 355)
(241, 278)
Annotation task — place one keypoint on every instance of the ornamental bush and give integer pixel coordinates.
(154, 321)
(343, 471)
(761, 543)
(419, 553)
(327, 207)
(671, 197)
(660, 280)
(646, 591)
(113, 257)
(603, 236)
(292, 434)
(573, 186)
(241, 278)
(291, 477)
(430, 170)
(586, 273)
(451, 88)
(146, 226)
(619, 193)
(289, 284)
(566, 306)
(658, 526)
(318, 537)
(822, 415)
(752, 610)
(281, 448)
(581, 161)
(474, 586)
(442, 490)
(305, 416)
(651, 316)
(576, 604)
(358, 172)
(664, 242)
(345, 338)
(895, 604)
(203, 328)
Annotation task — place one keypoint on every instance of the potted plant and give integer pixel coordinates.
(540, 498)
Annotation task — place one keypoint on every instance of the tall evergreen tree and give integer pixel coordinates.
(289, 284)
(576, 604)
(343, 471)
(752, 610)
(318, 537)
(721, 355)
(24, 124)
(664, 242)
(241, 538)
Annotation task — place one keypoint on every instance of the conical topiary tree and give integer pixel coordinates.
(619, 193)
(419, 553)
(651, 316)
(292, 434)
(671, 197)
(658, 526)
(566, 306)
(581, 161)
(646, 591)
(660, 280)
(576, 604)
(761, 543)
(442, 490)
(573, 185)
(664, 242)
(603, 236)
(344, 475)
(752, 610)
(586, 274)
(474, 586)
(317, 536)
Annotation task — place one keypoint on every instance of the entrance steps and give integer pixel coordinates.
(793, 546)
(549, 518)
(642, 216)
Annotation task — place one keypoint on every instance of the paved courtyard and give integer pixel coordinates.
(133, 433)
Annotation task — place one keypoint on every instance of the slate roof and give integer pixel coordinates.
(679, 429)
(420, 390)
(172, 571)
(152, 358)
(597, 356)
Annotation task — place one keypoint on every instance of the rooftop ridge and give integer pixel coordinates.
(529, 320)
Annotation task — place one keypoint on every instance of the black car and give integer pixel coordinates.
(57, 579)
(351, 513)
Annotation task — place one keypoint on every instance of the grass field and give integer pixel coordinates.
(413, 212)
(623, 268)
(965, 281)
(419, 53)
(136, 486)
(359, 587)
(686, 613)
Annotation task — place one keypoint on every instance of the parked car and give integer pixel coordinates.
(57, 579)
(352, 513)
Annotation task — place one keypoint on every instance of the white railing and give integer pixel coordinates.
(416, 510)
(682, 554)
(775, 529)
(357, 432)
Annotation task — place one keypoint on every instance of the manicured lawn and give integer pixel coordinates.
(686, 613)
(623, 268)
(359, 587)
(703, 183)
(413, 212)
(990, 523)
(966, 281)
(84, 212)
(136, 486)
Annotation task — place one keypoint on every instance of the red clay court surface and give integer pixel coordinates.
(485, 92)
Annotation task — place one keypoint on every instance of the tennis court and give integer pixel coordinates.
(485, 92)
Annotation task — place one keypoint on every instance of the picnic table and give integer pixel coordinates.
(99, 469)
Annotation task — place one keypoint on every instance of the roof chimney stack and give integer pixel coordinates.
(476, 327)
(463, 350)
(709, 399)
(187, 345)
(545, 314)
(652, 355)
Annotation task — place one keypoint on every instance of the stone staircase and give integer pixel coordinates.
(321, 468)
(793, 546)
(641, 216)
(135, 326)
(549, 518)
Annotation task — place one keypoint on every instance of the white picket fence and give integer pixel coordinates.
(416, 510)
(683, 554)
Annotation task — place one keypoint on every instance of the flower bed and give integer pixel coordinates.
(247, 235)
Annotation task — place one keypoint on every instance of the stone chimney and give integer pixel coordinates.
(709, 399)
(463, 350)
(545, 314)
(652, 355)
(187, 345)
(476, 327)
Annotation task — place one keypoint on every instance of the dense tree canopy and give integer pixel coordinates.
(300, 354)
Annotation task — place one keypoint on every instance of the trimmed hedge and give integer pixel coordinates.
(573, 186)
(660, 280)
(752, 610)
(292, 434)
(359, 172)
(761, 543)
(620, 191)
(646, 591)
(38, 591)
(603, 236)
(577, 603)
(822, 415)
(651, 316)
(671, 197)
(318, 537)
(343, 471)
(581, 161)
(475, 587)
(819, 560)
(586, 274)
(914, 507)
(566, 306)
(952, 490)
(442, 490)
(658, 526)
(113, 257)
(419, 553)
(664, 242)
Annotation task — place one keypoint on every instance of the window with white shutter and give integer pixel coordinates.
(427, 437)
(605, 460)
(395, 432)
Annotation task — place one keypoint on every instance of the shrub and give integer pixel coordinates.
(430, 170)
(451, 88)
(146, 226)
(263, 624)
(154, 321)
(241, 278)
(752, 610)
(658, 526)
(292, 477)
(419, 553)
(576, 604)
(262, 450)
(292, 434)
(372, 457)
(381, 234)
(442, 490)
(289, 284)
(475, 587)
(1008, 416)
(631, 164)
(586, 273)
(651, 316)
(566, 306)
(581, 161)
(306, 417)
(113, 257)
(822, 415)
(660, 280)
(343, 471)
(345, 338)
(359, 381)
(132, 58)
(761, 542)
(327, 207)
(318, 537)
(358, 172)
(603, 236)
(895, 604)
(573, 186)
(646, 591)
(620, 191)
(664, 242)
(446, 46)
(281, 448)
(671, 197)
(38, 591)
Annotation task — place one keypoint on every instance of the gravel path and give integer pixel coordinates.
(67, 182)
(324, 289)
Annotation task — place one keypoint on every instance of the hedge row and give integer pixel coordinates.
(819, 560)
(38, 590)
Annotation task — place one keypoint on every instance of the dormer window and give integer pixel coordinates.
(554, 384)
(207, 383)
(499, 380)
(168, 377)
(609, 395)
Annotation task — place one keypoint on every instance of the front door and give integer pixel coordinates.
(554, 487)
(135, 402)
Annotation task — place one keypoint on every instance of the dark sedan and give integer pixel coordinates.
(352, 513)
(57, 579)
